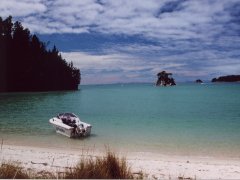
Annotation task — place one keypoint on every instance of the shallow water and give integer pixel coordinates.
(188, 119)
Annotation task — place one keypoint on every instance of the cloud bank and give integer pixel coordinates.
(192, 39)
(156, 19)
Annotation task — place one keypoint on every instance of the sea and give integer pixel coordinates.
(188, 119)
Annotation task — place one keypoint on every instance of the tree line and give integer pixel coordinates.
(27, 65)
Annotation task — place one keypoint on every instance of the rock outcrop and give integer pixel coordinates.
(199, 81)
(165, 79)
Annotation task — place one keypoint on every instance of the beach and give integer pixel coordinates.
(153, 165)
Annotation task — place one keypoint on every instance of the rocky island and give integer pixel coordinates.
(199, 81)
(27, 64)
(165, 79)
(230, 78)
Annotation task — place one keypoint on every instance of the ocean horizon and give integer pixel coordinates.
(187, 119)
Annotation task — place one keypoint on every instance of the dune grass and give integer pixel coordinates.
(106, 167)
(109, 167)
(13, 170)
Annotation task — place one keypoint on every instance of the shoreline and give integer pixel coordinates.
(153, 165)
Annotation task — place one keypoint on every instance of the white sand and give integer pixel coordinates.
(152, 164)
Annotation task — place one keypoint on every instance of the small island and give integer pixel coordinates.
(199, 81)
(230, 78)
(165, 79)
(27, 64)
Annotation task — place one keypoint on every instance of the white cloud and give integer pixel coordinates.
(141, 63)
(87, 61)
(21, 8)
(92, 66)
(227, 69)
(195, 19)
(122, 67)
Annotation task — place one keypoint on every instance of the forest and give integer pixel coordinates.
(27, 64)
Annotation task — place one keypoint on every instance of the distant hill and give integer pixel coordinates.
(230, 78)
(27, 65)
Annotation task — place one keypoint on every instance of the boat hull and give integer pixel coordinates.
(63, 131)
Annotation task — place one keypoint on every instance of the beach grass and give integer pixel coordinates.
(106, 167)
(13, 170)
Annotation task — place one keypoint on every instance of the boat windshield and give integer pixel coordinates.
(67, 115)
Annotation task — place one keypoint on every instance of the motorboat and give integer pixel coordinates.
(70, 125)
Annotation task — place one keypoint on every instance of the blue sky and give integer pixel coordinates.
(115, 41)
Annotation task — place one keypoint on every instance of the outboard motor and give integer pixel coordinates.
(80, 130)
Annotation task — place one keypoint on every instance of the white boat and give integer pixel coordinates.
(70, 125)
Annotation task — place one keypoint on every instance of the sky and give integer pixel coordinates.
(122, 41)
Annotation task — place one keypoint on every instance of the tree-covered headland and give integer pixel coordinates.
(27, 65)
(229, 78)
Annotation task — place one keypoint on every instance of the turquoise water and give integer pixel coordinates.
(188, 119)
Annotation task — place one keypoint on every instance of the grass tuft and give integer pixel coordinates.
(13, 170)
(109, 167)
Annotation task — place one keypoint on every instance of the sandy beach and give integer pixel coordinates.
(153, 165)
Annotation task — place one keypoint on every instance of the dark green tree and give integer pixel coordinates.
(27, 65)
